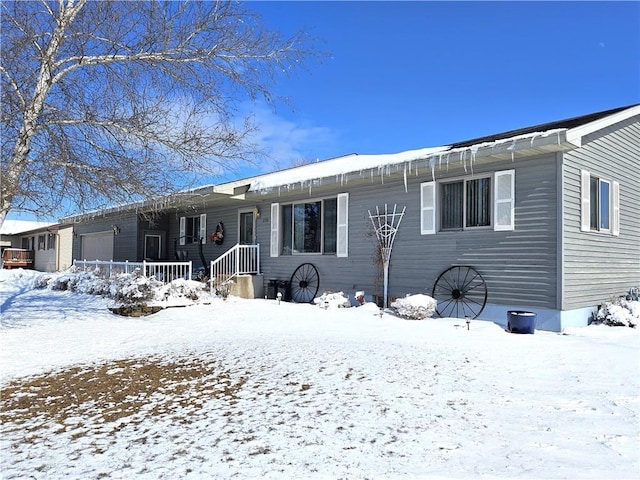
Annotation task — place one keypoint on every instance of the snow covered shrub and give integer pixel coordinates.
(59, 283)
(133, 288)
(42, 281)
(81, 282)
(222, 288)
(180, 288)
(619, 313)
(332, 300)
(415, 307)
(91, 284)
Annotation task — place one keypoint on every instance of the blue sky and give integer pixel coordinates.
(407, 75)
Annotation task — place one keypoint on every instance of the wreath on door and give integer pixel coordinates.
(217, 237)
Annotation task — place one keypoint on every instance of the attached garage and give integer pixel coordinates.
(97, 246)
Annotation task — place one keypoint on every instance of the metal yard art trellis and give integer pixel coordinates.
(386, 225)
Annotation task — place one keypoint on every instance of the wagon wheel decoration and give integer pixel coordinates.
(460, 292)
(305, 282)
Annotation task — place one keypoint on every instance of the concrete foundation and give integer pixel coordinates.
(248, 286)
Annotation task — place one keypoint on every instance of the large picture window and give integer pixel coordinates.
(305, 225)
(318, 226)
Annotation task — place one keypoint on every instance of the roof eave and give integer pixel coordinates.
(576, 135)
(531, 145)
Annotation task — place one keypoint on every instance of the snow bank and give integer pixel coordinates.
(332, 300)
(261, 389)
(415, 307)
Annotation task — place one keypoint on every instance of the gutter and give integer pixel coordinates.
(530, 144)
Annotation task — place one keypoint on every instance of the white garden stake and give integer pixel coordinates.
(386, 226)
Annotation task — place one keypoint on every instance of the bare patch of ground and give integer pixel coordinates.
(139, 388)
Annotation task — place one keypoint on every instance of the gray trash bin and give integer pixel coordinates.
(272, 288)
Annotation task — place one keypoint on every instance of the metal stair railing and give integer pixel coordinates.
(238, 260)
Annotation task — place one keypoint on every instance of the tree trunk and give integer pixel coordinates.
(20, 158)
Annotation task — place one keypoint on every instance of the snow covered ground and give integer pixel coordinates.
(253, 389)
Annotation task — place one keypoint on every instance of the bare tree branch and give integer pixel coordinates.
(116, 101)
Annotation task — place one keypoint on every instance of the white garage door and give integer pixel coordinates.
(97, 246)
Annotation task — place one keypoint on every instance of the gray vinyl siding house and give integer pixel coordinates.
(548, 215)
(598, 265)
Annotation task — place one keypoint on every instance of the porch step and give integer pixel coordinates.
(248, 286)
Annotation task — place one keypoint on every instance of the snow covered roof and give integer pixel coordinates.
(344, 169)
(561, 135)
(539, 139)
(568, 123)
(340, 166)
(16, 227)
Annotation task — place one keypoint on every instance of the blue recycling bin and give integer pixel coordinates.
(521, 322)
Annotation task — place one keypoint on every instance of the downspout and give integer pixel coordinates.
(202, 259)
(57, 266)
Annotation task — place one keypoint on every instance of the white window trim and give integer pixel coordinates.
(342, 224)
(202, 232)
(585, 204)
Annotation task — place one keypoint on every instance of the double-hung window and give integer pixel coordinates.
(600, 204)
(468, 203)
(28, 243)
(318, 226)
(193, 229)
(51, 241)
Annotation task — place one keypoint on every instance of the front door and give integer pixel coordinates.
(246, 229)
(152, 247)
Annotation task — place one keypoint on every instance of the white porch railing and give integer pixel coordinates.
(238, 260)
(162, 271)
